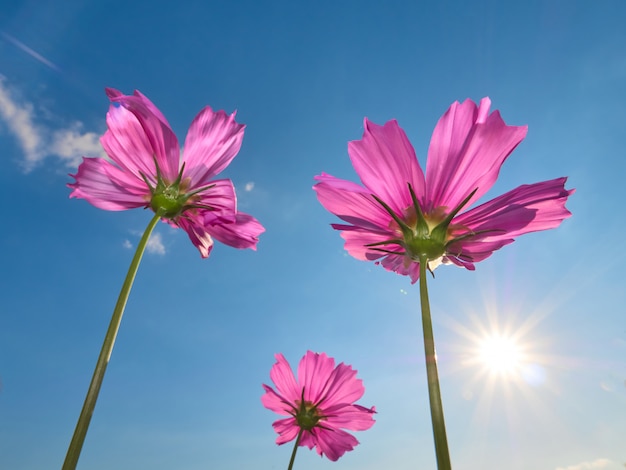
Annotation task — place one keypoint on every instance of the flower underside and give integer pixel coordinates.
(423, 237)
(171, 200)
(307, 414)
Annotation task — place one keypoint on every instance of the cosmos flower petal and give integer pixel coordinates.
(467, 149)
(221, 198)
(213, 140)
(197, 232)
(352, 417)
(342, 387)
(333, 442)
(385, 161)
(287, 430)
(467, 253)
(157, 130)
(527, 208)
(127, 144)
(402, 265)
(94, 184)
(308, 439)
(312, 367)
(282, 376)
(273, 401)
(350, 202)
(242, 233)
(358, 238)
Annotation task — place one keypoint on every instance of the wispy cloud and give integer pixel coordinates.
(71, 144)
(594, 465)
(249, 186)
(38, 141)
(31, 52)
(18, 118)
(155, 245)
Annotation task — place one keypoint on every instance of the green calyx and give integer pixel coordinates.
(307, 415)
(170, 200)
(168, 203)
(421, 238)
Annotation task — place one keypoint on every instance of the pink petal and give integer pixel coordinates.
(308, 439)
(282, 376)
(273, 401)
(222, 200)
(467, 252)
(113, 93)
(314, 371)
(466, 151)
(403, 265)
(527, 208)
(351, 202)
(158, 132)
(333, 442)
(287, 430)
(357, 238)
(385, 161)
(213, 140)
(242, 233)
(342, 387)
(126, 143)
(193, 224)
(95, 184)
(352, 417)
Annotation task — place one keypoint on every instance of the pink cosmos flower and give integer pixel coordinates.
(146, 170)
(320, 404)
(403, 217)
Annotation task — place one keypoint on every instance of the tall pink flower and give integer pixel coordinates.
(320, 404)
(403, 217)
(146, 170)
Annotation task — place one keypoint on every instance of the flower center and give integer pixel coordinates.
(422, 240)
(168, 201)
(424, 237)
(307, 415)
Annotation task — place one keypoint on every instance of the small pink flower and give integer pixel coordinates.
(146, 170)
(402, 216)
(320, 403)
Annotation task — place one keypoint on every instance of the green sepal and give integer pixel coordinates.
(440, 232)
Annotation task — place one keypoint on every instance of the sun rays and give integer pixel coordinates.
(501, 355)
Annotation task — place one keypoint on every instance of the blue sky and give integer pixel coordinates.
(198, 337)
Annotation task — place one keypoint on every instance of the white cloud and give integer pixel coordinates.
(18, 119)
(38, 142)
(127, 244)
(596, 464)
(249, 186)
(155, 244)
(71, 144)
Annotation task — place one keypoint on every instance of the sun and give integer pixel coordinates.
(500, 355)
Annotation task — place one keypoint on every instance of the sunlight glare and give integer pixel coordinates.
(501, 355)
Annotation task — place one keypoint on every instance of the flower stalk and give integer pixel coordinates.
(434, 393)
(76, 444)
(295, 449)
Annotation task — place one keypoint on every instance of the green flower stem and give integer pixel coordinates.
(295, 448)
(434, 394)
(73, 452)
